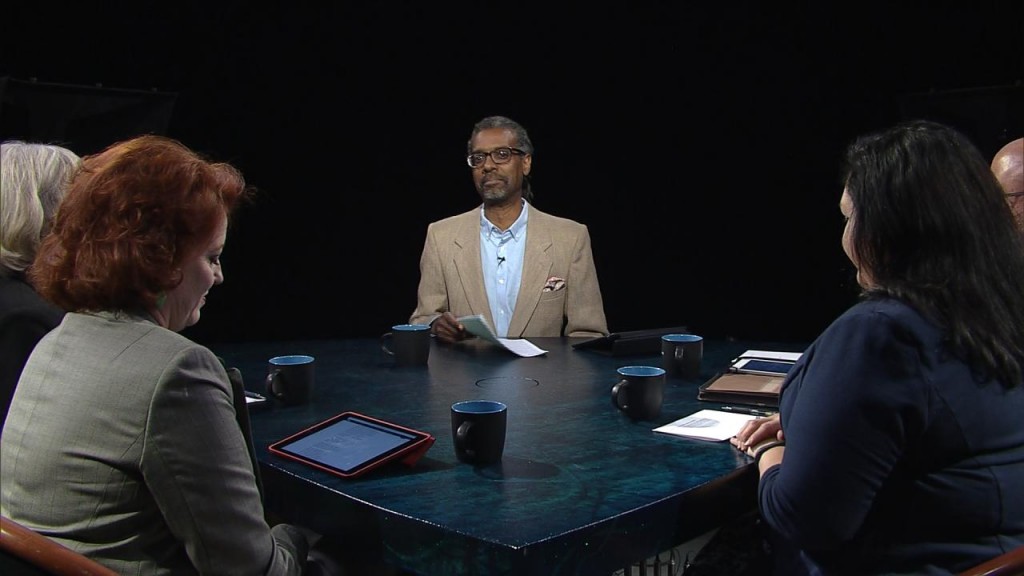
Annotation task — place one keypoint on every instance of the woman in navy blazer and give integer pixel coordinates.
(900, 447)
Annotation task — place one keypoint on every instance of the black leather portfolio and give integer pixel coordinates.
(635, 342)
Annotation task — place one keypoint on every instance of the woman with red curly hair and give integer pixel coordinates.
(122, 440)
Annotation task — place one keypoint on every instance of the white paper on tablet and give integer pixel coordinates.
(770, 355)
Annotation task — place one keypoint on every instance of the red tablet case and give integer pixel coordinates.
(409, 455)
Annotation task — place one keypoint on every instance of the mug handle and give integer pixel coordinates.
(271, 378)
(617, 390)
(384, 340)
(462, 439)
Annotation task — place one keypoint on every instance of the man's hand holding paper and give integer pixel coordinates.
(478, 326)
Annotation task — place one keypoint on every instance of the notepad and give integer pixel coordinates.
(712, 425)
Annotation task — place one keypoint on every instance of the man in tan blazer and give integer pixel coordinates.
(530, 274)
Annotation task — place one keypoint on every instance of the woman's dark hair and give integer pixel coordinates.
(131, 215)
(932, 228)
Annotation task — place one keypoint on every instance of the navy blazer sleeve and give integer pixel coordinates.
(850, 410)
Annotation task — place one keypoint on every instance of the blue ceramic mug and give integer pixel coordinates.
(409, 344)
(290, 379)
(478, 431)
(640, 391)
(681, 355)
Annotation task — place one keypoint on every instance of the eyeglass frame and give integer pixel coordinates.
(512, 152)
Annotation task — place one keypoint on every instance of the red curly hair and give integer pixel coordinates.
(131, 215)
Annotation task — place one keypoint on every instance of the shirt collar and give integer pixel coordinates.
(516, 230)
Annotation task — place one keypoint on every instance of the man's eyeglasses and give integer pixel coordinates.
(498, 156)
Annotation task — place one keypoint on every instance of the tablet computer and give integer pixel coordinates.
(351, 444)
(629, 343)
(761, 366)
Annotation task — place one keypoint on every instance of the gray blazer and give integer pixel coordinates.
(122, 443)
(451, 277)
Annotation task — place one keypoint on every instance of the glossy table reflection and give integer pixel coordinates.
(581, 488)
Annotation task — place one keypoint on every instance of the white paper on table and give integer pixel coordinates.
(477, 325)
(708, 425)
(521, 346)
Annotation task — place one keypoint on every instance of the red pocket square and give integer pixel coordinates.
(553, 284)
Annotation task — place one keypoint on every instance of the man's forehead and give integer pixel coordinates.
(493, 138)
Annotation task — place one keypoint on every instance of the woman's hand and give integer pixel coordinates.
(758, 431)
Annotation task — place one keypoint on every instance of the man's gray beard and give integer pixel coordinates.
(494, 195)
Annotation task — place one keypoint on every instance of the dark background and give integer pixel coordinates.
(700, 142)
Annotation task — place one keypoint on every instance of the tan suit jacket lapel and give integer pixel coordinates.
(467, 262)
(536, 267)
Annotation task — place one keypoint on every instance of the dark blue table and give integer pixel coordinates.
(581, 489)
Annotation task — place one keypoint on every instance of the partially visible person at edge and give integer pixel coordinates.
(900, 447)
(122, 441)
(33, 179)
(527, 272)
(1008, 166)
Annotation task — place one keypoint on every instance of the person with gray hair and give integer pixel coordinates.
(528, 273)
(33, 180)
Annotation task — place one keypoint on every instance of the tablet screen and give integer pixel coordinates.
(758, 366)
(348, 443)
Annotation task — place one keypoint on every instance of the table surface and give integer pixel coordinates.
(581, 488)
